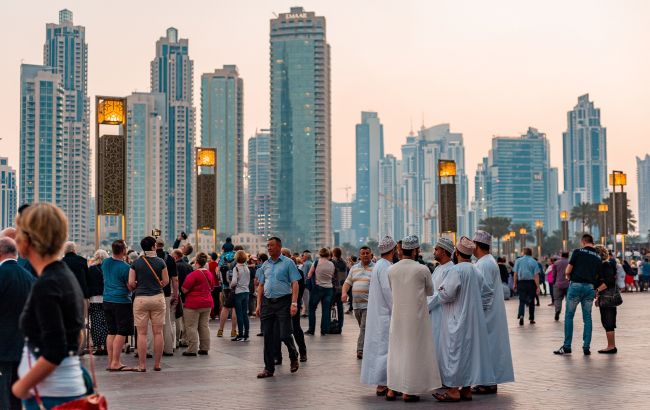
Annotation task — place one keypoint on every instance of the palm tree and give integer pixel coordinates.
(497, 226)
(631, 219)
(586, 213)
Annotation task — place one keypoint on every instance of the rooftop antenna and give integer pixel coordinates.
(411, 133)
(423, 120)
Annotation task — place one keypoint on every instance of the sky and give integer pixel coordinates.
(487, 68)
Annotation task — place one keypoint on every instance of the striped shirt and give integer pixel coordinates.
(359, 280)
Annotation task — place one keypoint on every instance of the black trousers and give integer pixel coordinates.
(298, 335)
(8, 375)
(275, 312)
(527, 292)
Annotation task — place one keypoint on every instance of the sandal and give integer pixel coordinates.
(122, 368)
(484, 389)
(139, 370)
(157, 369)
(410, 398)
(445, 397)
(381, 390)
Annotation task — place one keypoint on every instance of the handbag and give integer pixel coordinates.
(92, 401)
(153, 272)
(610, 297)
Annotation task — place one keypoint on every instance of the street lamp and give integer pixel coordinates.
(602, 222)
(206, 193)
(447, 197)
(619, 207)
(564, 216)
(539, 225)
(512, 236)
(523, 233)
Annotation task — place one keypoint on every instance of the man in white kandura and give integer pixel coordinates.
(463, 333)
(380, 305)
(412, 365)
(494, 309)
(442, 252)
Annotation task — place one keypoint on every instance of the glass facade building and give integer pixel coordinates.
(222, 127)
(300, 129)
(643, 183)
(389, 210)
(585, 155)
(172, 74)
(8, 194)
(66, 51)
(369, 152)
(259, 184)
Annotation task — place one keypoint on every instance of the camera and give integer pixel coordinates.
(155, 233)
(183, 235)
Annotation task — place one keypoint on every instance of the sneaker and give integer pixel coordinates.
(557, 316)
(563, 350)
(521, 320)
(586, 351)
(244, 339)
(236, 339)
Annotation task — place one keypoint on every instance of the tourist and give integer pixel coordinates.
(560, 282)
(183, 269)
(644, 275)
(358, 282)
(226, 265)
(606, 287)
(277, 302)
(380, 305)
(631, 279)
(298, 334)
(118, 309)
(307, 262)
(53, 317)
(322, 291)
(496, 319)
(526, 283)
(463, 331)
(95, 281)
(171, 299)
(228, 246)
(583, 269)
(15, 284)
(412, 368)
(147, 278)
(549, 278)
(339, 279)
(11, 233)
(213, 267)
(240, 285)
(197, 289)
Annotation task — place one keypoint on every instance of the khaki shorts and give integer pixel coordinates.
(149, 307)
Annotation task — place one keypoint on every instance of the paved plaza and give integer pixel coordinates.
(330, 379)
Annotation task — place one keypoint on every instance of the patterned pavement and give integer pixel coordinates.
(330, 379)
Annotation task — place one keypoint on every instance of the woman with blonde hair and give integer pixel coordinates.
(239, 284)
(53, 318)
(95, 281)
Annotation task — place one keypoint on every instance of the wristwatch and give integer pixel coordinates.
(294, 304)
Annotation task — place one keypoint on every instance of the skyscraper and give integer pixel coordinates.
(259, 183)
(172, 74)
(643, 183)
(389, 211)
(520, 185)
(8, 194)
(146, 163)
(585, 155)
(41, 135)
(222, 127)
(482, 189)
(369, 151)
(66, 52)
(300, 129)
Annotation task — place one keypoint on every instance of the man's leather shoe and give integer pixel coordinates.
(303, 357)
(294, 365)
(167, 354)
(264, 374)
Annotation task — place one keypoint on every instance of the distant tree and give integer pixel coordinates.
(586, 214)
(348, 249)
(497, 226)
(553, 243)
(631, 219)
(373, 245)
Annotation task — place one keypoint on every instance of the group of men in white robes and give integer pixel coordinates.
(444, 329)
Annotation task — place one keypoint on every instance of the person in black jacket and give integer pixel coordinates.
(607, 283)
(53, 316)
(78, 265)
(15, 284)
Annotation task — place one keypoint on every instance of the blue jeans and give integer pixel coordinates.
(48, 402)
(241, 309)
(583, 294)
(324, 296)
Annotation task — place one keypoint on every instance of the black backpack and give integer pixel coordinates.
(335, 326)
(226, 272)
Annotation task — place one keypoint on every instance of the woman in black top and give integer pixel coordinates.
(607, 280)
(98, 327)
(53, 318)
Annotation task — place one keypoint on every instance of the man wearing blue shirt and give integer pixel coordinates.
(526, 282)
(277, 302)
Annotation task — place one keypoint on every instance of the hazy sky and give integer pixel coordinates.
(486, 67)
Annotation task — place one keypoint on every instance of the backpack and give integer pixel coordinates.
(335, 326)
(226, 270)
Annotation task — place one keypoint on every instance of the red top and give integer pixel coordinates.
(213, 268)
(199, 285)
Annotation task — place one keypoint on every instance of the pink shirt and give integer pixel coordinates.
(199, 285)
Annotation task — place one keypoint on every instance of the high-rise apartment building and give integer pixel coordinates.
(66, 52)
(146, 162)
(585, 155)
(300, 129)
(482, 188)
(643, 183)
(222, 127)
(389, 201)
(369, 151)
(8, 194)
(172, 75)
(41, 135)
(259, 184)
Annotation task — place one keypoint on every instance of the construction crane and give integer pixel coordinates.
(347, 192)
(429, 215)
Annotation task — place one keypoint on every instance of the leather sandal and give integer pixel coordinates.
(466, 394)
(446, 397)
(391, 395)
(484, 389)
(381, 391)
(410, 398)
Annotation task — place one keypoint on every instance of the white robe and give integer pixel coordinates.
(435, 312)
(412, 365)
(463, 333)
(375, 345)
(496, 320)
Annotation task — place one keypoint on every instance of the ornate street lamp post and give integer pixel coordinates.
(602, 222)
(539, 226)
(619, 207)
(206, 193)
(447, 198)
(564, 217)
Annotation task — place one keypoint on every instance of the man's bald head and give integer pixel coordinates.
(7, 248)
(8, 233)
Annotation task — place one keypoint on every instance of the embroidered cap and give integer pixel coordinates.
(410, 242)
(446, 244)
(465, 245)
(483, 237)
(386, 245)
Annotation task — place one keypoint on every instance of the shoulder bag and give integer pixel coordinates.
(610, 297)
(153, 272)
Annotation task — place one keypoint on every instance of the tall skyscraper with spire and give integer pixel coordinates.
(172, 73)
(222, 127)
(585, 155)
(66, 52)
(300, 129)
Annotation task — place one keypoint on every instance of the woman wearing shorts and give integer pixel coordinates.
(147, 277)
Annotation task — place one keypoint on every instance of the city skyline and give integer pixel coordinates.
(362, 86)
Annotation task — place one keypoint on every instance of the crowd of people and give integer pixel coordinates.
(438, 328)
